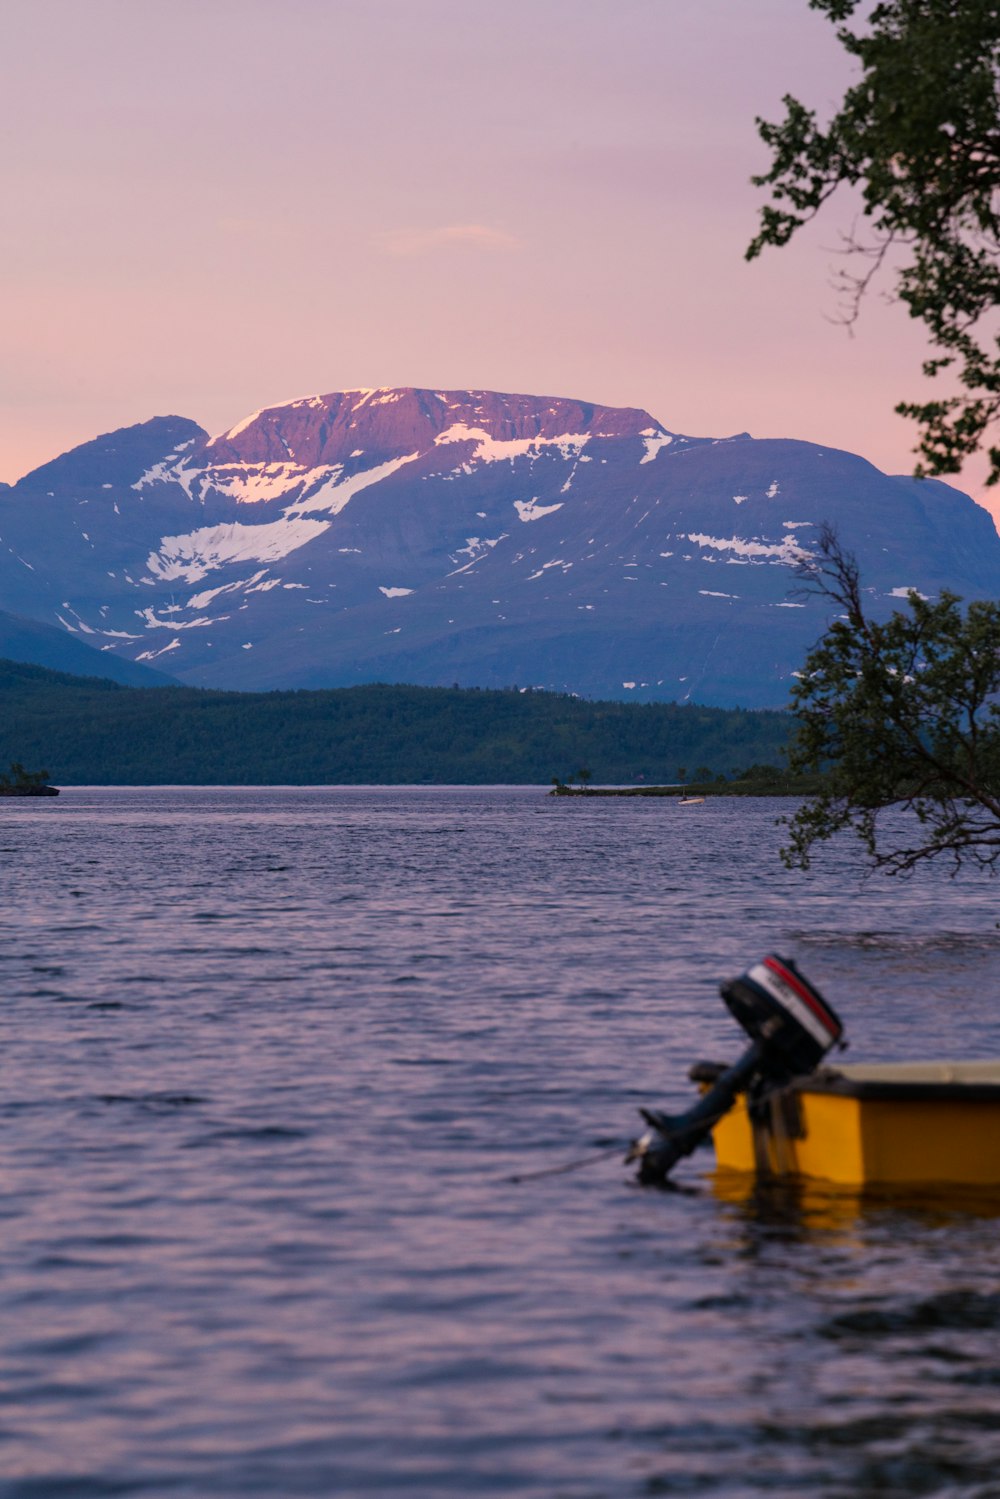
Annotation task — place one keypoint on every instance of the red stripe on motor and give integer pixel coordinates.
(822, 1015)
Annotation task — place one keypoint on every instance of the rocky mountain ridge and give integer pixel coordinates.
(466, 536)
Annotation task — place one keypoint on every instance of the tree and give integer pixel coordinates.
(902, 716)
(919, 135)
(20, 779)
(761, 773)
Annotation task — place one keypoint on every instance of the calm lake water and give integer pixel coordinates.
(270, 1059)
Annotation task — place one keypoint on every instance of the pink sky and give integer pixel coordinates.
(212, 205)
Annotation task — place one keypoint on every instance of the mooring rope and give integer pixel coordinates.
(602, 1155)
(577, 1165)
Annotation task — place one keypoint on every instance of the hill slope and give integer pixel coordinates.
(46, 645)
(96, 733)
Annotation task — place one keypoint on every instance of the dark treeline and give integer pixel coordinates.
(88, 731)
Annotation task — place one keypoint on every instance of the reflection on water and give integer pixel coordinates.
(812, 1207)
(271, 1061)
(894, 1319)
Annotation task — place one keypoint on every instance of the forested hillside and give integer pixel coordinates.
(90, 731)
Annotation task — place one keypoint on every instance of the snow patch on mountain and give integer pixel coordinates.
(652, 443)
(332, 496)
(476, 547)
(192, 557)
(154, 622)
(257, 483)
(323, 488)
(787, 550)
(202, 600)
(556, 562)
(497, 449)
(169, 470)
(174, 645)
(80, 623)
(531, 510)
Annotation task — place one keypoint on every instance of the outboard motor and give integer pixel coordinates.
(791, 1028)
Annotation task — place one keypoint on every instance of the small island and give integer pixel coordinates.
(21, 782)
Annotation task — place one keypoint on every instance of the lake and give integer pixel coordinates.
(271, 1059)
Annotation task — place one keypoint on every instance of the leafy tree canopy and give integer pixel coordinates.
(919, 136)
(905, 716)
(19, 778)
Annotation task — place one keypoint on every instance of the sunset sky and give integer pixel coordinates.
(213, 205)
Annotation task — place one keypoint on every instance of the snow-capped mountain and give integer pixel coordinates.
(466, 536)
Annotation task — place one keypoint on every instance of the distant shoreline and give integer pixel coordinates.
(806, 786)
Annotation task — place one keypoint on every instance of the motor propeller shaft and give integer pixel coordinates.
(671, 1137)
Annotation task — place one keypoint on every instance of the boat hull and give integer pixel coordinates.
(888, 1126)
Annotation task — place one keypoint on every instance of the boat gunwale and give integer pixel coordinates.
(892, 1090)
(830, 1081)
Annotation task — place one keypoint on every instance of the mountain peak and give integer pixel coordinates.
(115, 457)
(388, 422)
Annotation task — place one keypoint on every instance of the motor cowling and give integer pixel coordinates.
(778, 1006)
(791, 1028)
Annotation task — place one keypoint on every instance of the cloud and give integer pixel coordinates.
(449, 236)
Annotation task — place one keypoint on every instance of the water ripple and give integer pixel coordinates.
(278, 1066)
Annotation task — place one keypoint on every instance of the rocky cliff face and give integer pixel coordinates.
(440, 536)
(334, 429)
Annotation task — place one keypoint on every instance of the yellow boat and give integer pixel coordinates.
(781, 1111)
(891, 1125)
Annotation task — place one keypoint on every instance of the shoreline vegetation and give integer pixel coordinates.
(21, 782)
(94, 732)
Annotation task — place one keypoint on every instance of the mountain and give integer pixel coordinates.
(466, 536)
(28, 640)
